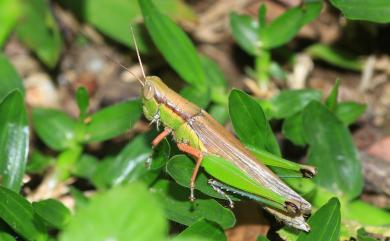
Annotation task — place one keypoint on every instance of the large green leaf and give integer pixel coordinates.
(129, 164)
(290, 102)
(9, 13)
(204, 230)
(178, 207)
(9, 78)
(39, 31)
(250, 123)
(113, 18)
(332, 151)
(112, 121)
(174, 45)
(122, 213)
(18, 213)
(14, 135)
(52, 212)
(325, 223)
(55, 128)
(292, 129)
(373, 10)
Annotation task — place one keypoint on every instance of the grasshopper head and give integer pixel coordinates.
(152, 91)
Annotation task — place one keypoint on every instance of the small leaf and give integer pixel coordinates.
(335, 57)
(311, 10)
(331, 101)
(282, 29)
(250, 123)
(203, 230)
(85, 166)
(262, 238)
(10, 79)
(9, 13)
(292, 129)
(374, 10)
(199, 97)
(52, 212)
(55, 128)
(349, 112)
(119, 214)
(215, 79)
(363, 236)
(180, 168)
(38, 162)
(39, 31)
(112, 121)
(325, 223)
(174, 45)
(244, 30)
(178, 208)
(332, 151)
(14, 137)
(290, 102)
(17, 212)
(82, 98)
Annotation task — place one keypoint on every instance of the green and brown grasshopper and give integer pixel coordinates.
(199, 135)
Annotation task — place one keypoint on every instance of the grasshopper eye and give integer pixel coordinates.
(148, 91)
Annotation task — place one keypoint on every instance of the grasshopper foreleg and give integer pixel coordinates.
(215, 185)
(199, 157)
(157, 141)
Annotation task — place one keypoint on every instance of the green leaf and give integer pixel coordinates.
(180, 168)
(178, 208)
(82, 98)
(219, 113)
(6, 237)
(262, 238)
(55, 128)
(9, 13)
(282, 29)
(204, 230)
(10, 79)
(331, 101)
(119, 214)
(250, 123)
(113, 18)
(332, 151)
(311, 10)
(335, 57)
(129, 164)
(199, 97)
(14, 137)
(290, 102)
(52, 212)
(112, 121)
(38, 162)
(85, 166)
(174, 45)
(80, 199)
(349, 112)
(39, 31)
(325, 223)
(244, 30)
(363, 236)
(17, 212)
(215, 79)
(292, 129)
(374, 10)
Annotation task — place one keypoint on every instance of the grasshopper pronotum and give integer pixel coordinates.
(198, 134)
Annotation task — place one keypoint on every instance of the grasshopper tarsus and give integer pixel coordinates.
(292, 207)
(308, 171)
(215, 186)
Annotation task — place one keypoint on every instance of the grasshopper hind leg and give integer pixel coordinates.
(215, 185)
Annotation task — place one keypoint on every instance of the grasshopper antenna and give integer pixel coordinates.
(136, 49)
(125, 68)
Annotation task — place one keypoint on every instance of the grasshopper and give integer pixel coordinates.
(199, 135)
